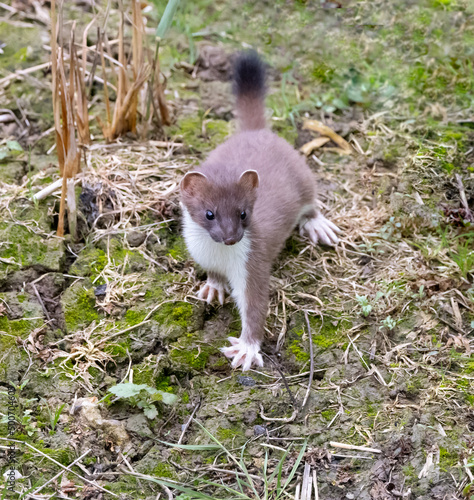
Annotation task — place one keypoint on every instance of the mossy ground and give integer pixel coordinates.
(390, 310)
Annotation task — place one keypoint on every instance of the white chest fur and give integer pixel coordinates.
(229, 261)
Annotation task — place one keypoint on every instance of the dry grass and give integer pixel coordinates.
(70, 117)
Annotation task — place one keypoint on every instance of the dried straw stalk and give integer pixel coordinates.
(124, 118)
(70, 118)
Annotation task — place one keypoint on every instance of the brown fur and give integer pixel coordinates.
(286, 185)
(273, 201)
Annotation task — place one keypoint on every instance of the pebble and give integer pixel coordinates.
(135, 238)
(100, 290)
(246, 381)
(258, 430)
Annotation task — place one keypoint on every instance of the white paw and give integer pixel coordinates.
(212, 290)
(320, 229)
(244, 354)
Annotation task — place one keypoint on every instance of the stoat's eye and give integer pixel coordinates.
(210, 215)
(243, 215)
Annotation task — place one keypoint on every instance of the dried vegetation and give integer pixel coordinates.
(383, 408)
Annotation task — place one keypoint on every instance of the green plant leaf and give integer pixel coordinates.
(150, 412)
(14, 146)
(166, 19)
(128, 390)
(168, 398)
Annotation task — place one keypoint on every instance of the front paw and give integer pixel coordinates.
(244, 353)
(320, 229)
(212, 290)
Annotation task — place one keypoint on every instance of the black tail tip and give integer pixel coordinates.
(249, 74)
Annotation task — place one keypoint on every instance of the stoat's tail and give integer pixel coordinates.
(249, 89)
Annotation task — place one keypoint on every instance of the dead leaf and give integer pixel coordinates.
(459, 341)
(310, 146)
(456, 313)
(324, 130)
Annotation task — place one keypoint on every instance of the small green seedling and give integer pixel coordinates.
(420, 294)
(54, 417)
(364, 304)
(143, 396)
(389, 323)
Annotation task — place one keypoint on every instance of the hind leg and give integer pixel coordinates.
(318, 228)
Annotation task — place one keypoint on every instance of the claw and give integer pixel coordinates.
(321, 229)
(243, 353)
(211, 290)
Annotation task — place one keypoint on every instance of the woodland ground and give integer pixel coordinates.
(391, 308)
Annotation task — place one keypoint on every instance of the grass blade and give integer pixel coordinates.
(194, 447)
(166, 19)
(295, 467)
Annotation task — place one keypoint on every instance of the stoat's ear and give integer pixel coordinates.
(249, 180)
(193, 183)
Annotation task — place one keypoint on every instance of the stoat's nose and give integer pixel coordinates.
(230, 241)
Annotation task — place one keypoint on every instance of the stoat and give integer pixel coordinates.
(241, 205)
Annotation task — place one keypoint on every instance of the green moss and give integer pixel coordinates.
(410, 472)
(78, 306)
(162, 383)
(64, 456)
(447, 458)
(18, 328)
(191, 128)
(91, 262)
(176, 313)
(322, 72)
(24, 248)
(414, 385)
(127, 484)
(178, 249)
(191, 356)
(164, 470)
(297, 349)
(227, 435)
(118, 349)
(133, 317)
(22, 46)
(469, 367)
(329, 334)
(328, 415)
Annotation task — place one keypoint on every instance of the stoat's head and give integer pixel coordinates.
(225, 211)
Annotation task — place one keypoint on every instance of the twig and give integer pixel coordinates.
(297, 492)
(60, 465)
(129, 329)
(469, 217)
(315, 484)
(307, 483)
(60, 473)
(338, 455)
(311, 358)
(354, 447)
(188, 423)
(293, 400)
(284, 419)
(40, 300)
